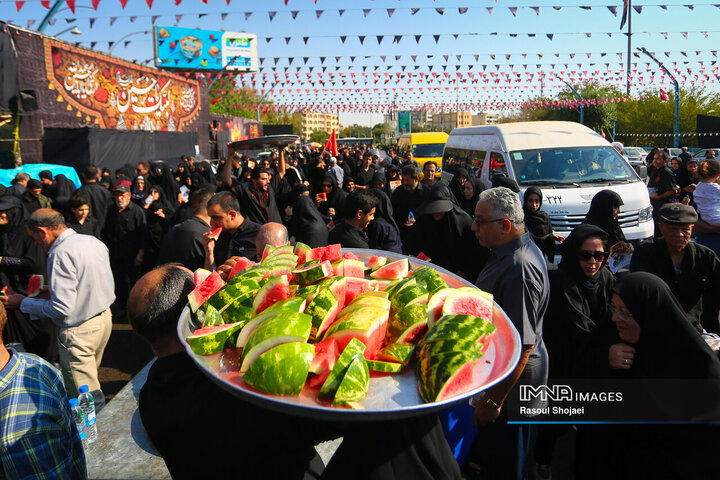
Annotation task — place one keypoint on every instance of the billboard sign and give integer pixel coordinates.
(111, 93)
(184, 48)
(404, 122)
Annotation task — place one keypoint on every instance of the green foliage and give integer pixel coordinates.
(355, 131)
(651, 116)
(230, 99)
(319, 136)
(421, 128)
(377, 132)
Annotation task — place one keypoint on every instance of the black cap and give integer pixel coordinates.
(677, 214)
(438, 201)
(121, 188)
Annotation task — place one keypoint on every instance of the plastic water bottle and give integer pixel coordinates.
(411, 217)
(87, 403)
(79, 417)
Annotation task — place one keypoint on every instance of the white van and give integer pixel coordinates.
(568, 161)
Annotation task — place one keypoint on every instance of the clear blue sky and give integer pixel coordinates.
(580, 42)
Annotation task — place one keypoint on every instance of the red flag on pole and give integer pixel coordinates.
(332, 144)
(664, 97)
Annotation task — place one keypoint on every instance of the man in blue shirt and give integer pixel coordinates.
(38, 438)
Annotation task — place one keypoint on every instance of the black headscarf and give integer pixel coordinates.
(138, 196)
(454, 185)
(65, 188)
(167, 183)
(538, 224)
(601, 215)
(335, 197)
(205, 170)
(307, 224)
(383, 209)
(578, 303)
(502, 180)
(468, 205)
(664, 328)
(17, 215)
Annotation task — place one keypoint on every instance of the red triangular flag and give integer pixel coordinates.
(332, 144)
(71, 5)
(123, 3)
(95, 3)
(19, 5)
(45, 3)
(149, 3)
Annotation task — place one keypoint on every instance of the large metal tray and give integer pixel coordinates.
(390, 396)
(268, 141)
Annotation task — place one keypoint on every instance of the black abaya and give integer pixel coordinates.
(601, 215)
(307, 225)
(539, 226)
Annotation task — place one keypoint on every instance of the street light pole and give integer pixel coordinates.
(579, 96)
(676, 127)
(115, 44)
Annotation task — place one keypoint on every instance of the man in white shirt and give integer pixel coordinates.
(81, 290)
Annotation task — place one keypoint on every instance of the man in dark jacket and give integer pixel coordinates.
(100, 198)
(238, 233)
(124, 234)
(359, 210)
(405, 199)
(183, 243)
(691, 270)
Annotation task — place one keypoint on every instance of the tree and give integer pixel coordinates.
(355, 131)
(319, 136)
(378, 130)
(226, 98)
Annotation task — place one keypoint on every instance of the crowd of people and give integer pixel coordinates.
(126, 243)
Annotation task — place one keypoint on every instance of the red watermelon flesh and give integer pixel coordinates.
(200, 275)
(459, 383)
(330, 253)
(6, 290)
(469, 301)
(435, 305)
(276, 289)
(368, 325)
(204, 330)
(350, 256)
(301, 251)
(326, 354)
(317, 380)
(392, 271)
(209, 287)
(241, 265)
(356, 286)
(35, 284)
(215, 232)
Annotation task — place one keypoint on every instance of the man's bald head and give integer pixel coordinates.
(272, 233)
(157, 299)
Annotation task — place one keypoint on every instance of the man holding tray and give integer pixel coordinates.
(516, 275)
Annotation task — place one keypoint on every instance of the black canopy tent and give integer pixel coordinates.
(78, 147)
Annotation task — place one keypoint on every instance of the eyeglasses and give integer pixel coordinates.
(586, 255)
(620, 313)
(481, 222)
(325, 185)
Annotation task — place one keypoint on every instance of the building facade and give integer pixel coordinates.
(312, 121)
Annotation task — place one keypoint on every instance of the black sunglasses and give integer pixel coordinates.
(586, 255)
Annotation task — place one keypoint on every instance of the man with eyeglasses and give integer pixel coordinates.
(517, 277)
(691, 270)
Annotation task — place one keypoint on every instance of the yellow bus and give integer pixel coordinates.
(425, 147)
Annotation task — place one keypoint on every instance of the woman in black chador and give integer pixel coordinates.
(21, 258)
(537, 222)
(604, 210)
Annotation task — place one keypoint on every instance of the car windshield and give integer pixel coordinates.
(571, 166)
(426, 150)
(633, 151)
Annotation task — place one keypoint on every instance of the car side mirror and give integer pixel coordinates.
(642, 171)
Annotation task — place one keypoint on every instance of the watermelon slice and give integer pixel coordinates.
(270, 250)
(385, 367)
(35, 284)
(396, 352)
(350, 256)
(337, 286)
(318, 380)
(348, 267)
(435, 304)
(407, 325)
(313, 273)
(375, 262)
(5, 291)
(349, 352)
(366, 324)
(241, 264)
(281, 328)
(355, 287)
(281, 370)
(294, 304)
(323, 309)
(355, 383)
(330, 253)
(470, 301)
(200, 275)
(431, 278)
(209, 287)
(445, 375)
(276, 289)
(392, 271)
(215, 232)
(210, 340)
(326, 354)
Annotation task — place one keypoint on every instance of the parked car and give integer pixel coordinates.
(700, 154)
(635, 155)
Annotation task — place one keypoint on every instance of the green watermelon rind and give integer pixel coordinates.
(323, 309)
(232, 291)
(212, 316)
(408, 296)
(355, 383)
(392, 271)
(431, 278)
(196, 298)
(273, 284)
(329, 388)
(313, 273)
(281, 328)
(385, 367)
(292, 304)
(282, 370)
(214, 342)
(397, 352)
(435, 372)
